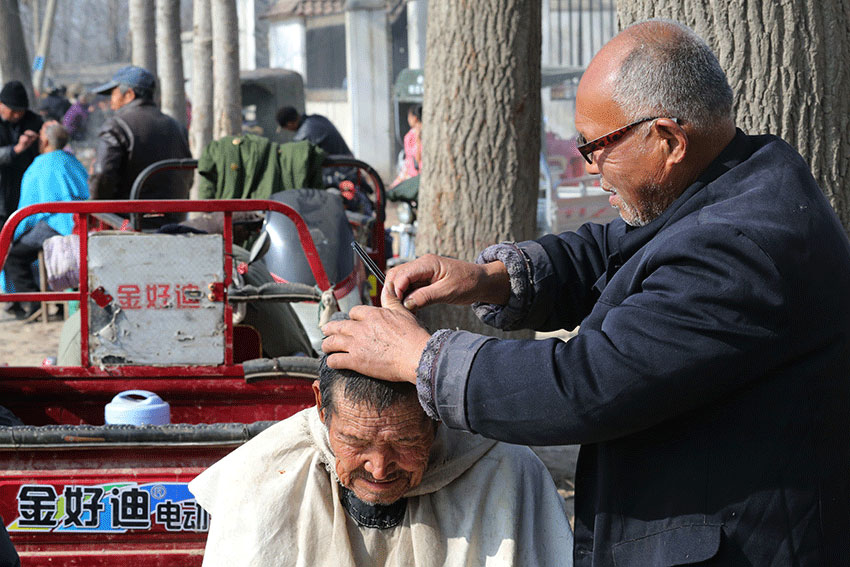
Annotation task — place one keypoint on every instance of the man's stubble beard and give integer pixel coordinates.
(655, 202)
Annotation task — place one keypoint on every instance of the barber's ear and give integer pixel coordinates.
(318, 395)
(674, 138)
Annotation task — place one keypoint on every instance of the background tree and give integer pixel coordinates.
(170, 57)
(43, 45)
(14, 61)
(481, 132)
(227, 95)
(201, 128)
(73, 46)
(142, 34)
(787, 64)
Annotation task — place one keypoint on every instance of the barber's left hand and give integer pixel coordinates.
(381, 342)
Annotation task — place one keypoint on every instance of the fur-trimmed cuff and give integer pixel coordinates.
(425, 372)
(519, 272)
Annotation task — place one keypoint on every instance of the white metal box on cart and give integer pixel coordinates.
(151, 302)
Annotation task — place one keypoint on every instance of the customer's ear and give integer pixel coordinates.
(318, 395)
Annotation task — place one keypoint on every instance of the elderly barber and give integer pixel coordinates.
(709, 383)
(366, 478)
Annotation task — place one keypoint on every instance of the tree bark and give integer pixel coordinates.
(143, 35)
(43, 48)
(787, 64)
(481, 130)
(36, 22)
(227, 95)
(14, 61)
(170, 57)
(201, 128)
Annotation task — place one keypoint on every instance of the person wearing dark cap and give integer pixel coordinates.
(19, 129)
(138, 135)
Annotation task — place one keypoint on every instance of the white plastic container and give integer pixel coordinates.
(137, 407)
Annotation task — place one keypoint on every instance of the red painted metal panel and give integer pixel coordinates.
(59, 511)
(46, 401)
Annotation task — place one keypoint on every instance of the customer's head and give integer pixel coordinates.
(378, 432)
(288, 117)
(128, 84)
(13, 101)
(53, 136)
(656, 96)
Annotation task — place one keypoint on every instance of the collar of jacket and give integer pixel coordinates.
(381, 516)
(135, 103)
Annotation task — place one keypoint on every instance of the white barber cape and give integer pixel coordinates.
(275, 502)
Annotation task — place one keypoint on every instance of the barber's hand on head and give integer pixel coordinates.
(381, 342)
(25, 141)
(434, 279)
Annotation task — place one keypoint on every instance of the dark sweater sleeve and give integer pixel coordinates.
(680, 340)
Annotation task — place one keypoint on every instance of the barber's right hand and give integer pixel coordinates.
(434, 279)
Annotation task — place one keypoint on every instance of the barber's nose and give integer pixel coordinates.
(591, 168)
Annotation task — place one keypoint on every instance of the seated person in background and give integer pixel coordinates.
(412, 146)
(135, 137)
(55, 175)
(314, 128)
(366, 478)
(321, 132)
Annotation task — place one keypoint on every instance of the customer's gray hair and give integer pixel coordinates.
(675, 75)
(357, 388)
(57, 135)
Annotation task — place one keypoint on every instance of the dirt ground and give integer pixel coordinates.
(27, 344)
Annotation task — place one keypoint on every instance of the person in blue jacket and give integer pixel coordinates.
(709, 382)
(55, 175)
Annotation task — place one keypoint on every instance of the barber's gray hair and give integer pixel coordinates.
(57, 135)
(358, 388)
(676, 76)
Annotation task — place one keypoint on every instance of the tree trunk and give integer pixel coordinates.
(43, 46)
(787, 64)
(481, 132)
(202, 93)
(143, 35)
(36, 22)
(227, 95)
(116, 32)
(14, 61)
(170, 57)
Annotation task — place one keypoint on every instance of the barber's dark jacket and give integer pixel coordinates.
(12, 165)
(135, 137)
(709, 384)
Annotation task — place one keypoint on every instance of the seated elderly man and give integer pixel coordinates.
(367, 478)
(55, 175)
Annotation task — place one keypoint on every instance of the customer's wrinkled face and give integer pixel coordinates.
(379, 457)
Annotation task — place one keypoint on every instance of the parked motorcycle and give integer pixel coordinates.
(405, 194)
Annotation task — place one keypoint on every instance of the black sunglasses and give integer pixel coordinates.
(586, 149)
